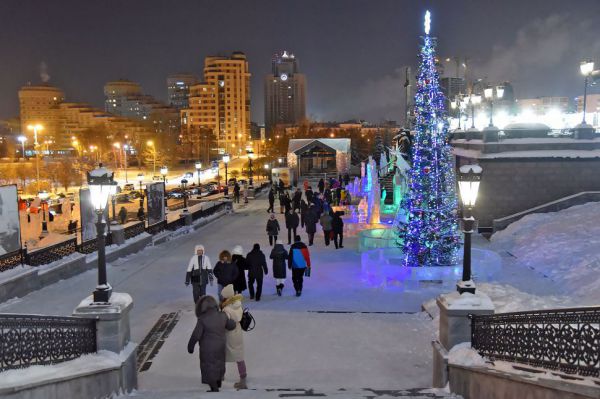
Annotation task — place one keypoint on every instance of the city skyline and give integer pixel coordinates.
(355, 69)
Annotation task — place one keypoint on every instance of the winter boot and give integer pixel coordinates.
(241, 384)
(278, 289)
(298, 293)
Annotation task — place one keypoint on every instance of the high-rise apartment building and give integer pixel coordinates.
(221, 103)
(285, 92)
(125, 98)
(178, 89)
(40, 105)
(452, 87)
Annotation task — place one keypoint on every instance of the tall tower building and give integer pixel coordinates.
(178, 89)
(221, 103)
(40, 105)
(285, 92)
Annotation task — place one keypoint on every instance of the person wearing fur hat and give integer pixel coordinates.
(234, 348)
(237, 258)
(225, 271)
(199, 273)
(279, 256)
(209, 333)
(257, 265)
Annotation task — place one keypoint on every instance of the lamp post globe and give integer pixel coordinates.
(468, 184)
(226, 160)
(102, 185)
(43, 196)
(198, 167)
(586, 67)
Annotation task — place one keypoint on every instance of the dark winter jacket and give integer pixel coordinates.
(310, 220)
(239, 285)
(236, 189)
(337, 223)
(291, 220)
(326, 221)
(281, 199)
(309, 195)
(296, 199)
(287, 203)
(226, 273)
(210, 334)
(279, 256)
(321, 185)
(271, 197)
(298, 257)
(257, 263)
(273, 227)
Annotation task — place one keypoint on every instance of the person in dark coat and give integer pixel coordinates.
(209, 333)
(327, 195)
(272, 229)
(309, 194)
(281, 186)
(271, 200)
(346, 179)
(338, 195)
(225, 271)
(310, 221)
(325, 220)
(236, 192)
(257, 264)
(298, 262)
(321, 186)
(303, 210)
(281, 202)
(122, 215)
(296, 199)
(237, 258)
(279, 256)
(287, 202)
(291, 223)
(140, 214)
(337, 224)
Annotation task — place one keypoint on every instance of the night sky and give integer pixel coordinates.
(353, 52)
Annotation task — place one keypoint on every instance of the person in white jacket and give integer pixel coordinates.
(232, 306)
(199, 273)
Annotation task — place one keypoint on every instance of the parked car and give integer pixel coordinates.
(211, 189)
(175, 193)
(134, 194)
(122, 199)
(128, 187)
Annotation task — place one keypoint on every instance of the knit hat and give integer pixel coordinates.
(227, 291)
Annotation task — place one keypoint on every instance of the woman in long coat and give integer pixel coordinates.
(279, 256)
(237, 258)
(210, 334)
(232, 307)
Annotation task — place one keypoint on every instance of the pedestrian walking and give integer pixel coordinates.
(310, 222)
(299, 263)
(237, 258)
(303, 210)
(287, 202)
(272, 229)
(279, 256)
(291, 224)
(236, 193)
(122, 215)
(225, 271)
(309, 194)
(296, 199)
(209, 333)
(199, 273)
(281, 186)
(271, 200)
(257, 265)
(337, 225)
(321, 186)
(234, 346)
(281, 202)
(325, 221)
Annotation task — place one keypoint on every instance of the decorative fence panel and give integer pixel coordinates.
(87, 247)
(28, 340)
(157, 227)
(51, 253)
(176, 224)
(134, 230)
(565, 339)
(10, 260)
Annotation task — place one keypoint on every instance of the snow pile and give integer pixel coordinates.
(463, 355)
(507, 298)
(560, 245)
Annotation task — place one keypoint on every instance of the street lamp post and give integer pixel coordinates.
(141, 180)
(468, 184)
(184, 183)
(36, 128)
(43, 196)
(125, 149)
(586, 68)
(150, 143)
(250, 153)
(163, 171)
(198, 167)
(474, 100)
(22, 140)
(101, 184)
(489, 96)
(226, 159)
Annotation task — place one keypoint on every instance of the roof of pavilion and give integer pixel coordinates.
(296, 145)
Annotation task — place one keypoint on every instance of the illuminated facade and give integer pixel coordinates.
(285, 92)
(40, 105)
(178, 89)
(221, 103)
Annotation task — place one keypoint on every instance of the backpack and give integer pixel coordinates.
(247, 323)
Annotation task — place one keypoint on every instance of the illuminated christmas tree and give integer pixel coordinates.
(431, 235)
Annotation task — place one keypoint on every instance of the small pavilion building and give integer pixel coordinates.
(316, 158)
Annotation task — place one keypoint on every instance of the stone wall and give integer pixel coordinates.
(512, 185)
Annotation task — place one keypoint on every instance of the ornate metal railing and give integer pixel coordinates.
(87, 247)
(157, 227)
(565, 339)
(52, 253)
(10, 260)
(134, 230)
(176, 224)
(28, 340)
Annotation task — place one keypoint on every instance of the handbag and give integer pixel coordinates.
(307, 272)
(247, 322)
